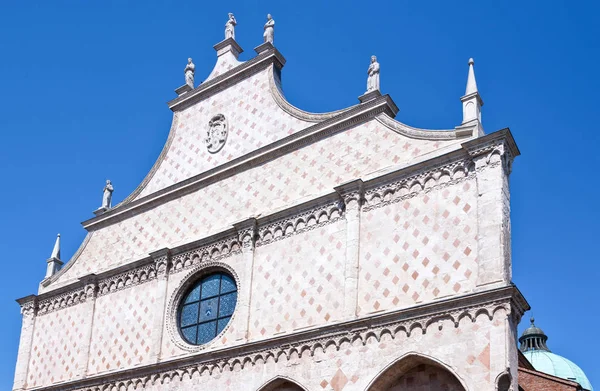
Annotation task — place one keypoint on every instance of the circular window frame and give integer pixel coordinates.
(183, 289)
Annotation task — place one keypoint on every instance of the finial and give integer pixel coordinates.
(56, 250)
(471, 82)
(54, 262)
(532, 321)
(472, 102)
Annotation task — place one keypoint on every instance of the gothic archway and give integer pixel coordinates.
(415, 372)
(281, 384)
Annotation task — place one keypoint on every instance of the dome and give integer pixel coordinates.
(558, 366)
(534, 348)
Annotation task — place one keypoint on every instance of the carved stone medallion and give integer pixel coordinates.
(217, 133)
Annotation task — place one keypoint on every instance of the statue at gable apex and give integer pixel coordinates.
(269, 33)
(373, 78)
(107, 195)
(230, 27)
(189, 71)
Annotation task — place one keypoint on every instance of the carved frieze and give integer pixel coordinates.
(503, 303)
(64, 300)
(301, 222)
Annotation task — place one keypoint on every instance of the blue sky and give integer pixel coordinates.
(83, 86)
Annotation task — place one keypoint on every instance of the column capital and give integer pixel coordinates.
(351, 192)
(246, 231)
(90, 285)
(28, 305)
(162, 259)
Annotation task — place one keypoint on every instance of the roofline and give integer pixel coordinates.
(551, 377)
(358, 114)
(225, 80)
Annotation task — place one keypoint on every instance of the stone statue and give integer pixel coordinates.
(269, 29)
(107, 197)
(373, 72)
(230, 27)
(190, 68)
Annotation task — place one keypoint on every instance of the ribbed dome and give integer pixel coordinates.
(533, 346)
(556, 365)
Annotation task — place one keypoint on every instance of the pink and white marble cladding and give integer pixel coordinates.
(57, 343)
(235, 332)
(254, 120)
(122, 329)
(297, 282)
(303, 174)
(472, 351)
(419, 249)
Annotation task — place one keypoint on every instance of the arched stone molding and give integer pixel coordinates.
(389, 375)
(292, 110)
(173, 305)
(421, 134)
(282, 383)
(504, 381)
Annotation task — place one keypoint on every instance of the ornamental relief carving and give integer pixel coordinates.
(173, 305)
(300, 223)
(62, 301)
(324, 344)
(216, 134)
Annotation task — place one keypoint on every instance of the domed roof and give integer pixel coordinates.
(558, 366)
(533, 345)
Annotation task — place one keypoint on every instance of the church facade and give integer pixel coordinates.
(274, 249)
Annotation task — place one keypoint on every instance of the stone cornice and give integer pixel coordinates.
(469, 307)
(223, 81)
(352, 117)
(422, 134)
(277, 94)
(489, 142)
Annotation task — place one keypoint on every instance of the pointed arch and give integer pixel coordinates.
(415, 368)
(282, 383)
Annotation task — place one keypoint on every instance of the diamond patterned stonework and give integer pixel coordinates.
(367, 255)
(302, 174)
(59, 341)
(298, 281)
(419, 249)
(122, 329)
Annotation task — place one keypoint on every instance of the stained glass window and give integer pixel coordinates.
(207, 307)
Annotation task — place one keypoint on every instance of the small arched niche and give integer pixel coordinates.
(416, 373)
(281, 384)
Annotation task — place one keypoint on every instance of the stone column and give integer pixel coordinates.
(162, 261)
(247, 232)
(29, 311)
(352, 194)
(493, 214)
(90, 289)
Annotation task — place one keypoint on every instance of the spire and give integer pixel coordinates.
(472, 101)
(56, 250)
(471, 82)
(533, 338)
(54, 262)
